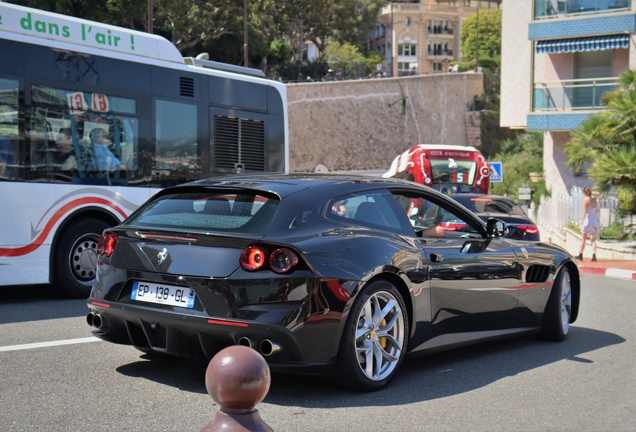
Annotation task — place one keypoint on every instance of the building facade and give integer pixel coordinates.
(422, 37)
(558, 58)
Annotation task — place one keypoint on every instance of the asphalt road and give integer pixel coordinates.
(587, 383)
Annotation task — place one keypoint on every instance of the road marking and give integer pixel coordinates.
(49, 344)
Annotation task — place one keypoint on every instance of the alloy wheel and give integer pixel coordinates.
(566, 303)
(380, 335)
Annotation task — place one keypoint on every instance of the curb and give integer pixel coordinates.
(613, 272)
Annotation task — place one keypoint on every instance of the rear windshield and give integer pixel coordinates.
(245, 213)
(490, 205)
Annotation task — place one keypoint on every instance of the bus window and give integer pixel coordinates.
(8, 127)
(76, 137)
(177, 155)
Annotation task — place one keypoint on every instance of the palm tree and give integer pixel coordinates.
(607, 141)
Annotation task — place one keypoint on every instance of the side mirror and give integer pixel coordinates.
(496, 228)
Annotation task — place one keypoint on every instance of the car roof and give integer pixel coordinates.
(287, 184)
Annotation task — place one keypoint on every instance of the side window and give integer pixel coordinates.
(8, 128)
(373, 208)
(430, 219)
(81, 137)
(177, 151)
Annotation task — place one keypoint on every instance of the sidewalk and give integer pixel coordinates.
(625, 269)
(615, 258)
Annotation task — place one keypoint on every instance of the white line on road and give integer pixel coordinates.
(49, 344)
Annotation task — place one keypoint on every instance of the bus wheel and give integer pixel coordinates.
(75, 257)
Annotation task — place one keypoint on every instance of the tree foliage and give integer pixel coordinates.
(520, 157)
(607, 141)
(342, 57)
(489, 24)
(217, 27)
(357, 19)
(196, 21)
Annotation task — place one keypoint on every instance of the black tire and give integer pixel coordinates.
(368, 335)
(558, 310)
(75, 257)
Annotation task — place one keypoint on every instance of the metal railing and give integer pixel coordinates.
(439, 30)
(559, 211)
(573, 94)
(554, 8)
(439, 52)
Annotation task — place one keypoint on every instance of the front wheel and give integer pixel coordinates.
(75, 257)
(558, 310)
(374, 341)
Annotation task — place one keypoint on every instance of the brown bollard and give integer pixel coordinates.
(238, 379)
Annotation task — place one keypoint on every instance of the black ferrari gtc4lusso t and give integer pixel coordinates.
(338, 275)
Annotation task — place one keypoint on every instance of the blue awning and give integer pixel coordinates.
(583, 44)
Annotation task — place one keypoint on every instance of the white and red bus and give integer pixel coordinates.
(447, 168)
(94, 119)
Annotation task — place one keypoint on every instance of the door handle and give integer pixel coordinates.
(436, 257)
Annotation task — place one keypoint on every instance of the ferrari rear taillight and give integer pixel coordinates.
(281, 260)
(253, 258)
(529, 229)
(106, 243)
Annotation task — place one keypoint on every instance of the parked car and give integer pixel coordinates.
(520, 226)
(322, 274)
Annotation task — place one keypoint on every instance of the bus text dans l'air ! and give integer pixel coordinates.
(94, 119)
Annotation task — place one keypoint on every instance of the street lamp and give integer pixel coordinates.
(477, 40)
(245, 53)
(150, 16)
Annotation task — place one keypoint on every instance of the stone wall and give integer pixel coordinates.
(473, 128)
(359, 125)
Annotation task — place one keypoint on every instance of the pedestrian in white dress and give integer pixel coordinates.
(589, 224)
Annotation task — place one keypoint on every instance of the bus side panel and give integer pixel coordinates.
(237, 94)
(33, 214)
(276, 144)
(277, 147)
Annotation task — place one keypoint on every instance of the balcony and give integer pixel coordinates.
(439, 53)
(555, 8)
(439, 30)
(570, 95)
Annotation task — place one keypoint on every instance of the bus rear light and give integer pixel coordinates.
(253, 258)
(282, 260)
(106, 243)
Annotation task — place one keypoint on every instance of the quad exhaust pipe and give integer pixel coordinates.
(245, 341)
(266, 347)
(94, 320)
(269, 348)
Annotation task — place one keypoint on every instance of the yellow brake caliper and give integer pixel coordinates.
(382, 340)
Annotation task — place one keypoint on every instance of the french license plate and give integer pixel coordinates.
(163, 294)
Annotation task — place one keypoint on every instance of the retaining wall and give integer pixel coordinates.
(361, 125)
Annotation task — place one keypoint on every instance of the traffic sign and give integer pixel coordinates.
(525, 193)
(496, 172)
